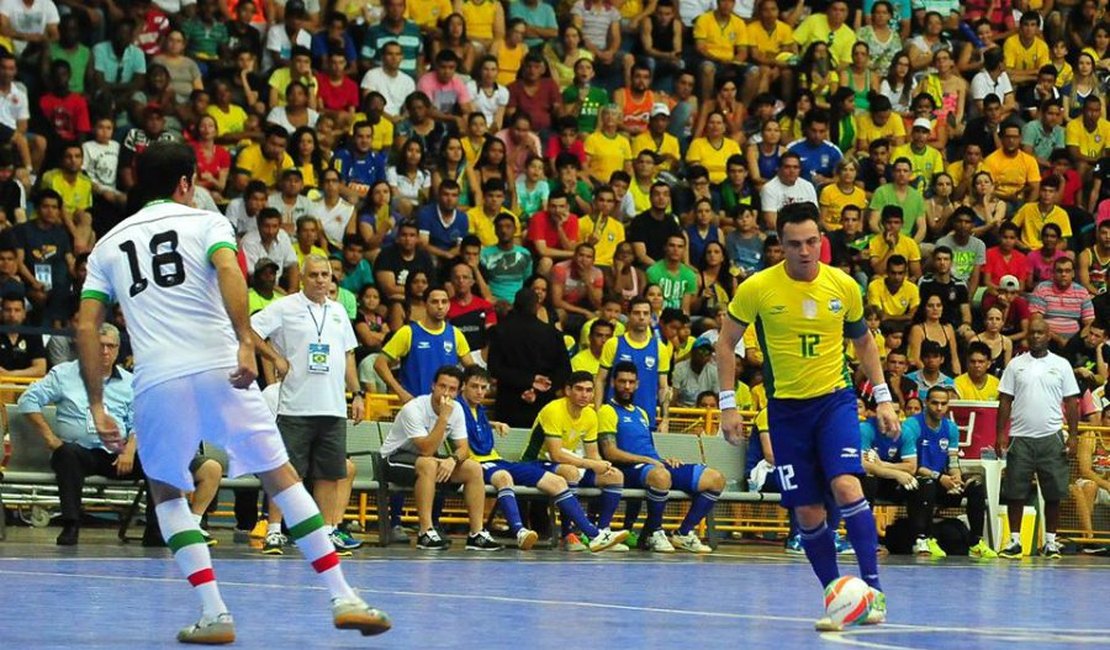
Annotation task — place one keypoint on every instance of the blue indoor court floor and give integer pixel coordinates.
(105, 595)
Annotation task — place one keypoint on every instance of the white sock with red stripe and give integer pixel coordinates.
(306, 527)
(190, 550)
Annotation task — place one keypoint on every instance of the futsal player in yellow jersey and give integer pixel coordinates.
(565, 433)
(802, 311)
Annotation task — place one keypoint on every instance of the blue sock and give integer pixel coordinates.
(610, 500)
(821, 552)
(572, 511)
(396, 505)
(567, 524)
(702, 506)
(507, 500)
(632, 512)
(657, 501)
(860, 523)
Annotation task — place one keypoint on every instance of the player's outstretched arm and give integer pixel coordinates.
(233, 290)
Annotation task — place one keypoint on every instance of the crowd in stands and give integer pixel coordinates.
(594, 152)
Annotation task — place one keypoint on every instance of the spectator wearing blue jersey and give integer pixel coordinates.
(940, 482)
(818, 155)
(650, 353)
(421, 348)
(442, 225)
(627, 442)
(359, 165)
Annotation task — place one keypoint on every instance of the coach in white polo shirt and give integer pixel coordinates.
(311, 344)
(1033, 387)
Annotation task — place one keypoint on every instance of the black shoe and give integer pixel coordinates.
(431, 541)
(481, 542)
(68, 536)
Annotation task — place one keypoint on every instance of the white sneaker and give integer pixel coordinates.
(921, 546)
(658, 542)
(619, 548)
(526, 538)
(209, 631)
(607, 539)
(689, 543)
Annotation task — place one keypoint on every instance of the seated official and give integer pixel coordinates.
(76, 450)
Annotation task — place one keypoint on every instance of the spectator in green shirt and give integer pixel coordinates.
(207, 36)
(678, 281)
(357, 272)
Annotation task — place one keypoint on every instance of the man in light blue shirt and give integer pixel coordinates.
(540, 18)
(76, 449)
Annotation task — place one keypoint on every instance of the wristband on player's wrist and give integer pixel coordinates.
(726, 399)
(881, 393)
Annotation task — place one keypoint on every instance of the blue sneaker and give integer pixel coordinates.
(843, 546)
(794, 545)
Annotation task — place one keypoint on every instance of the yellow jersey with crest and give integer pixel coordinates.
(801, 328)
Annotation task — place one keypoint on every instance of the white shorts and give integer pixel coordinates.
(172, 418)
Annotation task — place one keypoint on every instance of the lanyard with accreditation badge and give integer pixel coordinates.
(318, 352)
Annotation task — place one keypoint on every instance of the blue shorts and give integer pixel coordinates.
(525, 474)
(814, 440)
(684, 478)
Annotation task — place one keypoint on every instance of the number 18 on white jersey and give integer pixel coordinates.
(157, 265)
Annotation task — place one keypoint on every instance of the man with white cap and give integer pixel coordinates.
(658, 140)
(925, 160)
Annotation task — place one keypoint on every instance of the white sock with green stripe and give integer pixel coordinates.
(190, 550)
(307, 529)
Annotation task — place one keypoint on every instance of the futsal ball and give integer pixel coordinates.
(848, 601)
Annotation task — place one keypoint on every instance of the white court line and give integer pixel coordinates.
(850, 637)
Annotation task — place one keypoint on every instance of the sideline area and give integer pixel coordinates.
(744, 596)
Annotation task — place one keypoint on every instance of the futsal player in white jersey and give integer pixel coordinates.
(173, 269)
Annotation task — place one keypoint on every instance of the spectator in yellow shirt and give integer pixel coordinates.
(721, 39)
(428, 14)
(602, 229)
(607, 150)
(830, 28)
(1025, 52)
(1016, 174)
(483, 217)
(771, 43)
(893, 244)
(896, 296)
(880, 122)
(1033, 216)
(1087, 137)
(925, 161)
(977, 384)
(265, 162)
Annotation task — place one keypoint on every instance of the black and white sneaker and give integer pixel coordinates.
(481, 541)
(430, 540)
